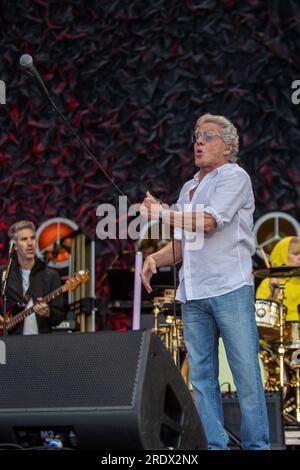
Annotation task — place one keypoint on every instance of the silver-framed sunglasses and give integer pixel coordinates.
(207, 136)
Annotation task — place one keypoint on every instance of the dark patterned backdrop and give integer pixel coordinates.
(132, 77)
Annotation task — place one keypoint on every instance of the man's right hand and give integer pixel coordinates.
(149, 268)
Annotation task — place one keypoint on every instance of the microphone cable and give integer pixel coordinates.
(26, 63)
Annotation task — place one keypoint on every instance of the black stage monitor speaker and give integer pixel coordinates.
(106, 390)
(232, 417)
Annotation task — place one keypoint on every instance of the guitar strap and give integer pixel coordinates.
(28, 293)
(27, 296)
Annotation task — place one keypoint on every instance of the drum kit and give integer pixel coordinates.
(280, 343)
(279, 354)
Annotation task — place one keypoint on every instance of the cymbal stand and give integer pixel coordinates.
(156, 312)
(163, 330)
(281, 348)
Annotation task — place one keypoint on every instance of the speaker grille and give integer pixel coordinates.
(56, 370)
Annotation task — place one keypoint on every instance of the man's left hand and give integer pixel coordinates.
(42, 308)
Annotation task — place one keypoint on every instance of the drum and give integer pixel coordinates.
(292, 334)
(267, 318)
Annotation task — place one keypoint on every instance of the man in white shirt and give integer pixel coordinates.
(216, 286)
(30, 280)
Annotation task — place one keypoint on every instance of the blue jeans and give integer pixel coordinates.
(232, 316)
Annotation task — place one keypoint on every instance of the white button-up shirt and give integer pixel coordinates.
(224, 262)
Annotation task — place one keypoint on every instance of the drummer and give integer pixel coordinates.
(286, 252)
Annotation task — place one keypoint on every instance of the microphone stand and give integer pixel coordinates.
(5, 277)
(75, 134)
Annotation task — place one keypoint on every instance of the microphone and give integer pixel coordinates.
(26, 63)
(12, 247)
(11, 253)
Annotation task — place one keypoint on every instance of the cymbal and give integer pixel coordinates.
(282, 271)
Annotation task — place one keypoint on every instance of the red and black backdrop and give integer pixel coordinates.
(132, 77)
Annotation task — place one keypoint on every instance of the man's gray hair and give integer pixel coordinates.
(228, 131)
(17, 226)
